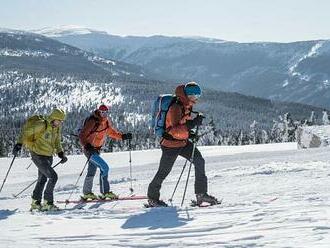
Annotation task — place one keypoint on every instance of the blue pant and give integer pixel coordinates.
(95, 162)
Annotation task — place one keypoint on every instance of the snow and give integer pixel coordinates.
(12, 31)
(65, 30)
(20, 53)
(95, 58)
(82, 92)
(312, 53)
(273, 196)
(286, 83)
(313, 136)
(326, 83)
(205, 39)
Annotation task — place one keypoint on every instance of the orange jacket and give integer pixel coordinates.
(97, 137)
(176, 118)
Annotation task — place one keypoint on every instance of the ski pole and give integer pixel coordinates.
(11, 164)
(29, 166)
(184, 167)
(191, 162)
(15, 195)
(130, 165)
(82, 171)
(177, 183)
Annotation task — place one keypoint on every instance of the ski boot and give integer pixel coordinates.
(110, 196)
(152, 203)
(35, 205)
(205, 198)
(88, 197)
(49, 206)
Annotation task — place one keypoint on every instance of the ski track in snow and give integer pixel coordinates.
(273, 196)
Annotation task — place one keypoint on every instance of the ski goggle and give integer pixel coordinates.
(102, 112)
(194, 97)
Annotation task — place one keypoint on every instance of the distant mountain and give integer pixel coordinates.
(35, 53)
(65, 30)
(297, 71)
(38, 73)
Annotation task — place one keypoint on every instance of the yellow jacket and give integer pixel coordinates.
(40, 137)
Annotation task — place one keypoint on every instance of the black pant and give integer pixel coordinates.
(169, 155)
(45, 170)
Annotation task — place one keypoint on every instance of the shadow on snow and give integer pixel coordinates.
(156, 218)
(5, 213)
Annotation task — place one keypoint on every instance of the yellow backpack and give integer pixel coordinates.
(28, 130)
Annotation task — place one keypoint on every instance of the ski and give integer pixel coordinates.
(204, 204)
(120, 198)
(146, 205)
(46, 211)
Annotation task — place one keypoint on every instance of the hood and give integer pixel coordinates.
(99, 117)
(57, 114)
(179, 92)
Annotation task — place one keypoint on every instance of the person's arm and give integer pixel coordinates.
(113, 132)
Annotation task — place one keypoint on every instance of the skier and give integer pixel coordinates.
(42, 137)
(175, 142)
(92, 136)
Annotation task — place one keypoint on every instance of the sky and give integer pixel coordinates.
(235, 20)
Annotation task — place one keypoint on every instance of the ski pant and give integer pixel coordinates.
(169, 155)
(95, 162)
(45, 171)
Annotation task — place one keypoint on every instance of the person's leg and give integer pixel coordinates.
(88, 182)
(104, 170)
(167, 160)
(39, 188)
(199, 164)
(44, 164)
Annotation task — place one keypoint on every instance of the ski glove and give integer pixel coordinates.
(17, 148)
(62, 157)
(127, 136)
(197, 121)
(193, 136)
(90, 149)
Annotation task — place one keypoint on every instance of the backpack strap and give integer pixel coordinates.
(166, 135)
(96, 125)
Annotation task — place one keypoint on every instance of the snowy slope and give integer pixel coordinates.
(274, 196)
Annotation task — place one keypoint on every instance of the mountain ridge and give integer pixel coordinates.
(296, 71)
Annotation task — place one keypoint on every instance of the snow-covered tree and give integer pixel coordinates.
(264, 137)
(2, 149)
(240, 138)
(325, 118)
(253, 132)
(312, 119)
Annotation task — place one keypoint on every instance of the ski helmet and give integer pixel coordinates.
(192, 88)
(103, 107)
